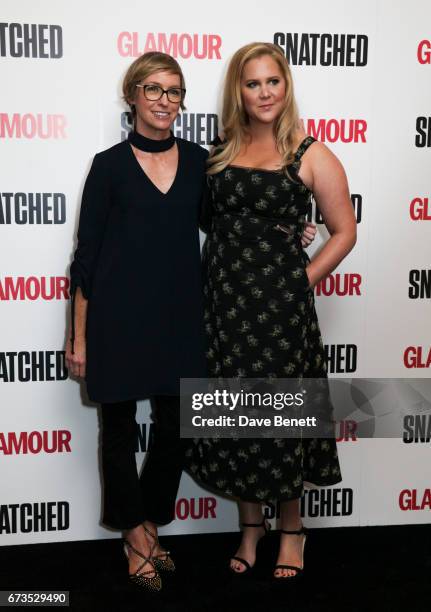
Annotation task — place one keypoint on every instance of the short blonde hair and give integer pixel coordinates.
(144, 66)
(234, 117)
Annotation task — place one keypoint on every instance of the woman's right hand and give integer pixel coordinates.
(309, 234)
(76, 362)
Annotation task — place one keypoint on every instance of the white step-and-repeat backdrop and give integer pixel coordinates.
(363, 82)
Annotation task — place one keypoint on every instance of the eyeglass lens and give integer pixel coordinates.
(155, 92)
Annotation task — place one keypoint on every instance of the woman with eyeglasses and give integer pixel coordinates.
(137, 318)
(136, 325)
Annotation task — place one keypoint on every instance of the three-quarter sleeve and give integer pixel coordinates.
(92, 222)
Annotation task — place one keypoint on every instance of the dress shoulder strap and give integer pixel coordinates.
(308, 140)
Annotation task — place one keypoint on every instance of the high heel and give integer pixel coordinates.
(163, 561)
(248, 568)
(299, 570)
(153, 583)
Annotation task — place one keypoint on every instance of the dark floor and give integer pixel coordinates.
(349, 569)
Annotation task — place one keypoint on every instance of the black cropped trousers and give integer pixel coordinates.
(130, 498)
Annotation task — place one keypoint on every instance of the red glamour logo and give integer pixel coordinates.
(410, 499)
(183, 46)
(196, 508)
(339, 284)
(32, 126)
(34, 288)
(420, 209)
(334, 130)
(417, 357)
(424, 52)
(35, 442)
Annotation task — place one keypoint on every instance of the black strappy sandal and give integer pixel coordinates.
(267, 527)
(299, 570)
(153, 583)
(163, 561)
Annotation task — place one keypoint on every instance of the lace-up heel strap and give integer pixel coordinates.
(153, 535)
(132, 548)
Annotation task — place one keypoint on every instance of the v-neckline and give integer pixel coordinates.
(145, 175)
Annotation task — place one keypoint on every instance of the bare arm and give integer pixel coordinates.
(323, 173)
(76, 360)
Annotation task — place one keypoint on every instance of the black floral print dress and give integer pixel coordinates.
(261, 322)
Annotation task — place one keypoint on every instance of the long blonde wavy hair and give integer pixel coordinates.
(235, 119)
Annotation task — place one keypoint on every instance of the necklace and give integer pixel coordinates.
(149, 145)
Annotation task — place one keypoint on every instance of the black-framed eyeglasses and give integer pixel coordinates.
(155, 92)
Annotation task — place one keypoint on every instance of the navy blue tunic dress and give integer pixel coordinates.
(138, 264)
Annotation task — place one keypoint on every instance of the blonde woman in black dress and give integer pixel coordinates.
(259, 302)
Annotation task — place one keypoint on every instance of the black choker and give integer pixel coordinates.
(148, 144)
